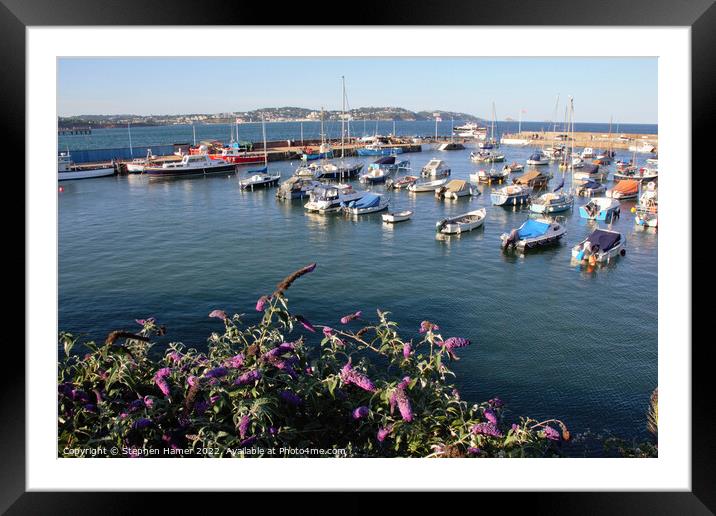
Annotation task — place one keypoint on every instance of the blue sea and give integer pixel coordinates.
(549, 338)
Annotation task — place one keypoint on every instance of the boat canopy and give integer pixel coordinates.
(527, 177)
(387, 160)
(533, 228)
(604, 239)
(367, 201)
(590, 168)
(456, 185)
(259, 171)
(537, 156)
(591, 185)
(628, 186)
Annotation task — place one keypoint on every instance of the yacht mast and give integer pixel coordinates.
(343, 117)
(263, 130)
(131, 153)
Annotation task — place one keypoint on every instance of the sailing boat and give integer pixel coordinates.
(557, 200)
(452, 144)
(260, 178)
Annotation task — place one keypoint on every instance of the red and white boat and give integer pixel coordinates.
(237, 156)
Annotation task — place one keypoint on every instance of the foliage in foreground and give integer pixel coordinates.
(261, 390)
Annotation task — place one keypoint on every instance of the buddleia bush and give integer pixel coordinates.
(285, 387)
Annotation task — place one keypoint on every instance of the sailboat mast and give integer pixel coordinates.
(519, 127)
(343, 117)
(263, 130)
(131, 153)
(571, 153)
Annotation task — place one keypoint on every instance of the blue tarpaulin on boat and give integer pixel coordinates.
(604, 239)
(259, 171)
(369, 201)
(536, 157)
(592, 185)
(533, 228)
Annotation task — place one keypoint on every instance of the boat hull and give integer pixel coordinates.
(509, 200)
(199, 171)
(388, 151)
(90, 173)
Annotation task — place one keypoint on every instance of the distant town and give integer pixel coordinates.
(276, 114)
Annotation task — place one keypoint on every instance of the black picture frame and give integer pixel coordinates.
(16, 15)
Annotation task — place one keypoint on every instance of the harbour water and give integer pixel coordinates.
(549, 338)
(118, 137)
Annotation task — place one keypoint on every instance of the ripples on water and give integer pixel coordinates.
(551, 339)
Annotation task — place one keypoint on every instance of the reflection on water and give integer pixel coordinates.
(542, 341)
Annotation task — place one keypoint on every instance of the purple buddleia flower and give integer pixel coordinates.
(142, 422)
(486, 429)
(174, 356)
(286, 366)
(91, 407)
(244, 425)
(282, 348)
(455, 342)
(350, 317)
(490, 416)
(144, 322)
(79, 395)
(136, 405)
(351, 376)
(201, 406)
(161, 382)
(248, 378)
(406, 350)
(261, 303)
(217, 372)
(148, 402)
(193, 381)
(550, 433)
(515, 427)
(400, 398)
(495, 402)
(218, 314)
(306, 324)
(272, 430)
(290, 398)
(327, 332)
(360, 412)
(427, 326)
(66, 389)
(309, 370)
(214, 399)
(456, 394)
(383, 433)
(235, 362)
(473, 451)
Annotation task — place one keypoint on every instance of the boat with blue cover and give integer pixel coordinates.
(602, 209)
(600, 246)
(383, 168)
(590, 189)
(511, 195)
(538, 158)
(553, 202)
(378, 149)
(533, 233)
(369, 203)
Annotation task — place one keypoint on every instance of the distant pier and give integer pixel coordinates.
(71, 131)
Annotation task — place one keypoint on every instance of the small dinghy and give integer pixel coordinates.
(490, 176)
(627, 189)
(511, 195)
(454, 189)
(538, 158)
(533, 233)
(369, 203)
(426, 186)
(514, 167)
(400, 182)
(486, 157)
(601, 209)
(401, 216)
(462, 223)
(590, 189)
(600, 247)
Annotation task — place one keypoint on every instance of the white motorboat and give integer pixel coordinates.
(601, 246)
(369, 203)
(486, 157)
(587, 153)
(533, 233)
(591, 172)
(426, 186)
(190, 165)
(623, 190)
(296, 187)
(400, 182)
(400, 216)
(602, 209)
(553, 202)
(590, 189)
(514, 167)
(66, 170)
(454, 189)
(327, 198)
(260, 179)
(642, 147)
(435, 168)
(490, 176)
(511, 195)
(462, 223)
(137, 165)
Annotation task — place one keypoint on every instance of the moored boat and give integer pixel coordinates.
(533, 233)
(553, 202)
(369, 203)
(190, 165)
(590, 189)
(538, 158)
(435, 168)
(400, 182)
(623, 190)
(511, 195)
(296, 187)
(66, 170)
(601, 209)
(461, 223)
(533, 178)
(486, 157)
(600, 246)
(328, 198)
(448, 146)
(259, 179)
(400, 216)
(454, 189)
(426, 186)
(590, 172)
(490, 176)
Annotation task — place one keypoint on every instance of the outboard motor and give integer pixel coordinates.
(511, 239)
(440, 192)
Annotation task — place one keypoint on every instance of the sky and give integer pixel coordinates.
(623, 88)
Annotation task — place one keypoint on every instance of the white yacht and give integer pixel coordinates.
(324, 199)
(66, 170)
(190, 165)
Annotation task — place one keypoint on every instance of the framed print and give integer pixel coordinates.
(345, 251)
